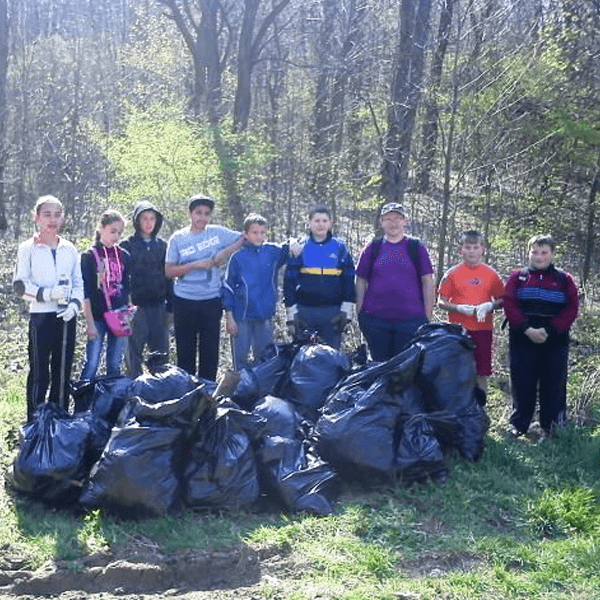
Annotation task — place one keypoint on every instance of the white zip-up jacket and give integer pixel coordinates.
(38, 269)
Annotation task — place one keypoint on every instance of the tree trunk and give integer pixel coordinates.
(430, 125)
(249, 50)
(245, 64)
(405, 97)
(338, 53)
(3, 106)
(591, 225)
(209, 53)
(322, 134)
(448, 160)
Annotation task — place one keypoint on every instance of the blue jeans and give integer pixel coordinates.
(251, 334)
(318, 318)
(115, 347)
(387, 337)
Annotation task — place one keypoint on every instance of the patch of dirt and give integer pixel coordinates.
(137, 569)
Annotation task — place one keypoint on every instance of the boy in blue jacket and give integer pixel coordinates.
(318, 287)
(249, 292)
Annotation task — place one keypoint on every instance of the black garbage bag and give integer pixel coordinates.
(280, 416)
(55, 456)
(273, 366)
(179, 412)
(402, 369)
(221, 467)
(445, 426)
(473, 424)
(103, 396)
(296, 475)
(246, 391)
(137, 474)
(447, 377)
(164, 383)
(419, 454)
(314, 372)
(360, 439)
(264, 377)
(447, 373)
(100, 431)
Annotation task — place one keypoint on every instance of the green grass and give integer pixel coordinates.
(523, 523)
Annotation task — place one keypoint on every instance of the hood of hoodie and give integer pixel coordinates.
(141, 207)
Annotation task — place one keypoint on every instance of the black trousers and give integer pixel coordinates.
(47, 335)
(150, 329)
(538, 371)
(197, 334)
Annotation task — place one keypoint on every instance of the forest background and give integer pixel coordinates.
(473, 113)
(479, 114)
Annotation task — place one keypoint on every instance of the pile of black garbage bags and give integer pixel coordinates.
(291, 429)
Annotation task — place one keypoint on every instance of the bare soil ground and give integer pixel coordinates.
(139, 571)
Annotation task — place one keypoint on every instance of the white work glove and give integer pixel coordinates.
(56, 293)
(68, 313)
(466, 309)
(348, 309)
(483, 309)
(295, 247)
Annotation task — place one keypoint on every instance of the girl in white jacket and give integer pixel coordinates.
(48, 277)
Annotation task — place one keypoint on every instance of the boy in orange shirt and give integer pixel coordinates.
(470, 291)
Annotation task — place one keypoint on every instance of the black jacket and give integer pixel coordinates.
(148, 283)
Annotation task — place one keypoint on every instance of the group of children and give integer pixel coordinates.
(392, 292)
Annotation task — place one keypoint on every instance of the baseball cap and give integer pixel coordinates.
(393, 207)
(200, 200)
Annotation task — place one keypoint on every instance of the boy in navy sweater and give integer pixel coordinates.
(249, 292)
(318, 285)
(541, 304)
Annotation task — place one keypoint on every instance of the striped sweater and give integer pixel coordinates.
(541, 298)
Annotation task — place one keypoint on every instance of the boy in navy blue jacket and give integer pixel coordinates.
(318, 287)
(249, 291)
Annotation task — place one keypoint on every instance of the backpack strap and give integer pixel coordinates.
(375, 250)
(413, 253)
